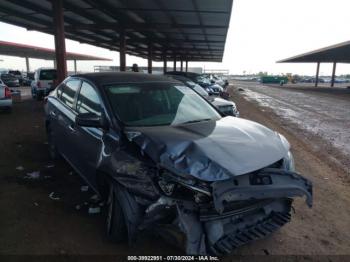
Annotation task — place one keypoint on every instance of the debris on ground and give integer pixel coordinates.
(20, 168)
(53, 197)
(36, 204)
(95, 198)
(70, 173)
(84, 188)
(33, 175)
(50, 166)
(94, 210)
(92, 206)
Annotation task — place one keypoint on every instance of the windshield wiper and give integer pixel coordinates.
(195, 121)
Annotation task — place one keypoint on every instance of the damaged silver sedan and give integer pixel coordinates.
(164, 159)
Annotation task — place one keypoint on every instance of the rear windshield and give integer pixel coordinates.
(48, 74)
(15, 72)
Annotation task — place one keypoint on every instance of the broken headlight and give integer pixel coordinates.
(288, 162)
(183, 188)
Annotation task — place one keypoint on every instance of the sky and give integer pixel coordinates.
(261, 32)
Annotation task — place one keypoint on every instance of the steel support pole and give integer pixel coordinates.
(164, 63)
(181, 65)
(27, 64)
(175, 63)
(186, 65)
(122, 52)
(60, 45)
(317, 74)
(75, 66)
(149, 58)
(333, 74)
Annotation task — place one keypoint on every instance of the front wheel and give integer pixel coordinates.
(116, 228)
(33, 93)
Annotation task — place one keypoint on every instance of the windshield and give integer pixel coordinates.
(8, 77)
(14, 72)
(153, 104)
(203, 80)
(48, 74)
(197, 88)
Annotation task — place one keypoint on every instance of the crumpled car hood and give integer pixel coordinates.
(210, 150)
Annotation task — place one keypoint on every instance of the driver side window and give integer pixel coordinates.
(88, 100)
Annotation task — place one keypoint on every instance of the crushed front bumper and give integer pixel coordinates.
(246, 208)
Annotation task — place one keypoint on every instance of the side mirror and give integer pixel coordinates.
(91, 120)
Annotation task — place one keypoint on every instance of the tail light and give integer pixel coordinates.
(7, 92)
(38, 84)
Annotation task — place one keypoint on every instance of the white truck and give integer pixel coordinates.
(44, 82)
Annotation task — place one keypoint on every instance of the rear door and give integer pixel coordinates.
(88, 144)
(47, 78)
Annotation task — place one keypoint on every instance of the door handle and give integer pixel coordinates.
(71, 128)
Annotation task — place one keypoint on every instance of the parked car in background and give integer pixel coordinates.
(217, 80)
(5, 97)
(44, 82)
(28, 78)
(224, 106)
(17, 74)
(9, 80)
(161, 156)
(212, 89)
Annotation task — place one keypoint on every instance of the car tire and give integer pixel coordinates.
(33, 94)
(39, 96)
(116, 228)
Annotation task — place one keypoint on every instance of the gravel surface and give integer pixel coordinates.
(318, 112)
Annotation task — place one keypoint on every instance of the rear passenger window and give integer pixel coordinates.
(88, 100)
(69, 91)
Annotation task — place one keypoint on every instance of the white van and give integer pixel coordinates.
(44, 82)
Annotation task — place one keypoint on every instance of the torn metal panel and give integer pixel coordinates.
(267, 184)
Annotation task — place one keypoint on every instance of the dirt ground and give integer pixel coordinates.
(32, 223)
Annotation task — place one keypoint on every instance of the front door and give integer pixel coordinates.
(88, 144)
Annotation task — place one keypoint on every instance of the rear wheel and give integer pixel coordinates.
(39, 96)
(116, 228)
(33, 93)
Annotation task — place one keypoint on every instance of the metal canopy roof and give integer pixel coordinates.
(195, 29)
(15, 49)
(335, 53)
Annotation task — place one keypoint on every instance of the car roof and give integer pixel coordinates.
(179, 77)
(122, 77)
(187, 74)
